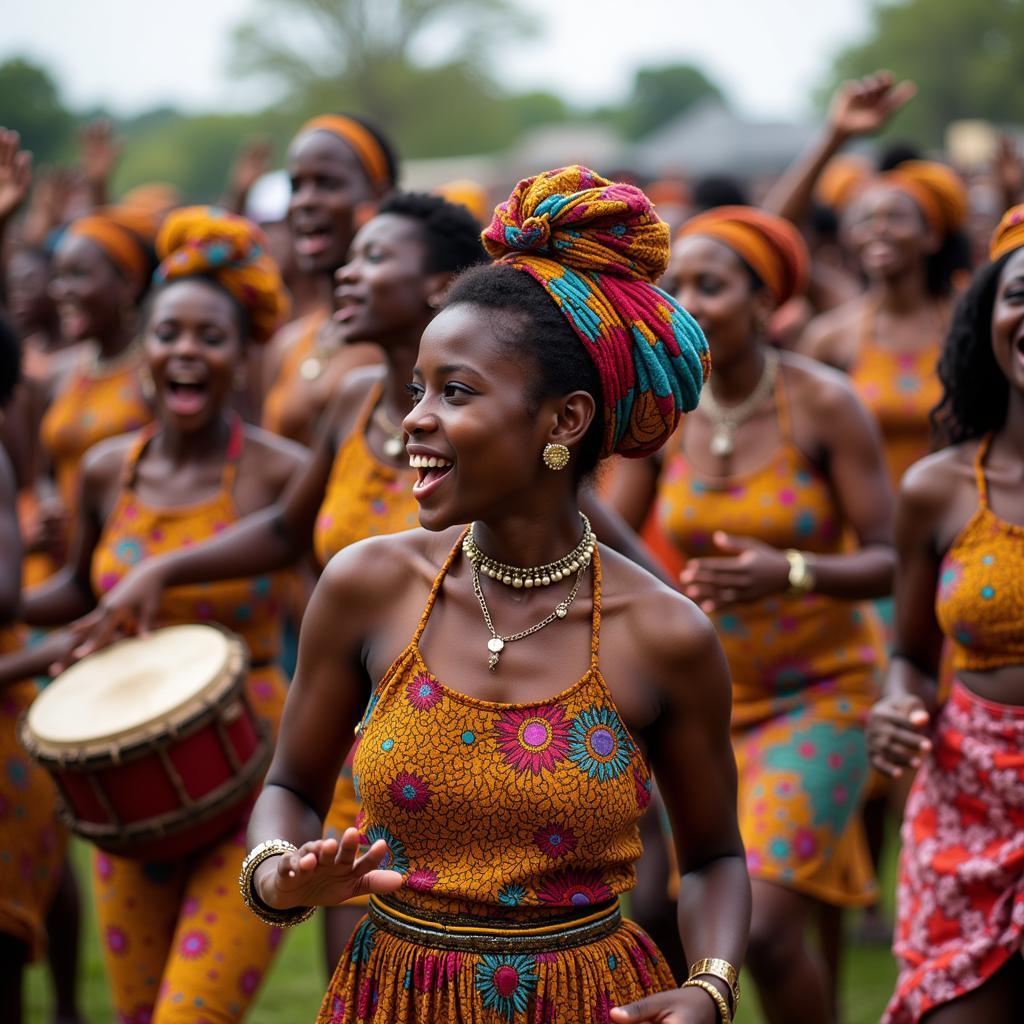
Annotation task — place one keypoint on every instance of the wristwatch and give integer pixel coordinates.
(801, 572)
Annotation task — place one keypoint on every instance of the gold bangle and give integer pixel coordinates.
(801, 572)
(723, 1007)
(269, 915)
(716, 967)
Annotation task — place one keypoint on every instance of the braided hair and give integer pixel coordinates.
(975, 393)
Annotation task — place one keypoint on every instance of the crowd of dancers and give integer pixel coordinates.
(723, 548)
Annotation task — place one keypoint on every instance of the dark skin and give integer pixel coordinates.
(891, 241)
(193, 335)
(470, 409)
(937, 499)
(330, 193)
(834, 431)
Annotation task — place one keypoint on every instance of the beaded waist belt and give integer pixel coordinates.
(477, 936)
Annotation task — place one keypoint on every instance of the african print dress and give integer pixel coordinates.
(515, 828)
(804, 670)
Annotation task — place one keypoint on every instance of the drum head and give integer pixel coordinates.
(129, 685)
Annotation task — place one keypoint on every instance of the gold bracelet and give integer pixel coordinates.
(716, 967)
(723, 1007)
(801, 572)
(269, 915)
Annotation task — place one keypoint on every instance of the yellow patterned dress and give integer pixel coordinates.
(515, 828)
(364, 498)
(32, 843)
(804, 671)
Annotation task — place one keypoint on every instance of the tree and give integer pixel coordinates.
(966, 58)
(372, 56)
(662, 93)
(30, 104)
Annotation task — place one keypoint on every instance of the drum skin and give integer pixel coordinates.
(158, 788)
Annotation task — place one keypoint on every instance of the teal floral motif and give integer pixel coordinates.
(506, 983)
(395, 859)
(598, 744)
(511, 895)
(362, 943)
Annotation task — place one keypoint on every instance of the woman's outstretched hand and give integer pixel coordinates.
(865, 105)
(748, 569)
(677, 1006)
(897, 734)
(325, 873)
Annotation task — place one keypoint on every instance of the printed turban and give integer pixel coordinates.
(1009, 235)
(202, 241)
(597, 247)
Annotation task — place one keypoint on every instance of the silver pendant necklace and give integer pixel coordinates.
(726, 420)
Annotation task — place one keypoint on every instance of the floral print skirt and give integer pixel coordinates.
(384, 976)
(960, 900)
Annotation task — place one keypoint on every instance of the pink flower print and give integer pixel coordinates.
(366, 1001)
(194, 944)
(409, 792)
(104, 867)
(337, 1010)
(117, 941)
(554, 841)
(574, 889)
(533, 739)
(642, 784)
(249, 981)
(805, 843)
(423, 692)
(422, 880)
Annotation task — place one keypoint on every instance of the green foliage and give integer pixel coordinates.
(367, 55)
(30, 103)
(966, 58)
(662, 93)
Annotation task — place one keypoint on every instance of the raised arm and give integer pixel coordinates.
(859, 107)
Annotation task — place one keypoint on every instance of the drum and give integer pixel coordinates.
(152, 742)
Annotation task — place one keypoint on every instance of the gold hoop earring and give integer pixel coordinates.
(555, 456)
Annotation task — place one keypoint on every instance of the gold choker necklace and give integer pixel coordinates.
(537, 576)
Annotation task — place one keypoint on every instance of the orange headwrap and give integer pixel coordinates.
(124, 235)
(469, 194)
(937, 190)
(155, 199)
(369, 152)
(769, 245)
(841, 179)
(1009, 235)
(202, 241)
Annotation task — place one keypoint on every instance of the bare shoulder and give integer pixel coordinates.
(373, 572)
(818, 387)
(278, 457)
(831, 336)
(929, 485)
(103, 463)
(672, 636)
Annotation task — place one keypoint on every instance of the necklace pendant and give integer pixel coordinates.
(495, 645)
(721, 442)
(492, 661)
(393, 447)
(311, 367)
(561, 611)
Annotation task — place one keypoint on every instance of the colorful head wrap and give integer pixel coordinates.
(1009, 234)
(368, 150)
(126, 237)
(596, 248)
(769, 245)
(202, 241)
(937, 190)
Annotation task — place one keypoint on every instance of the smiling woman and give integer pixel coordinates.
(183, 478)
(501, 795)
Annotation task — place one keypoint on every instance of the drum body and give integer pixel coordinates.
(152, 741)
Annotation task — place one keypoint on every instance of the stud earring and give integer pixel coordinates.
(434, 302)
(555, 456)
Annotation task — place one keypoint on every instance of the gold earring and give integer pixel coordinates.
(146, 384)
(555, 456)
(434, 302)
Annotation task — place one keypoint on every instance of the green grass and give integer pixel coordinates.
(292, 992)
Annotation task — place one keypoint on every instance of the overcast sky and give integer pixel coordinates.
(130, 55)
